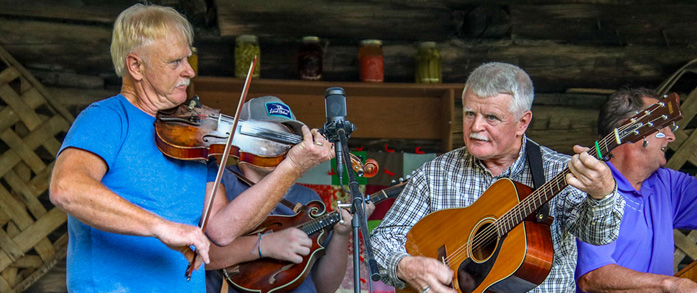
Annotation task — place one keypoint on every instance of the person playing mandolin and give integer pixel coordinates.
(133, 212)
(659, 200)
(496, 113)
(290, 244)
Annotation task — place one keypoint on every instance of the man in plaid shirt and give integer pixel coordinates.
(496, 113)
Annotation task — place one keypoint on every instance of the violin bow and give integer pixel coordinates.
(223, 161)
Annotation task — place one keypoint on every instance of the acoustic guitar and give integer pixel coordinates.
(500, 225)
(272, 275)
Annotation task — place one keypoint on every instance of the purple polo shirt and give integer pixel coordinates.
(645, 244)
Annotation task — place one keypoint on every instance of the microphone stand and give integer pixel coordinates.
(357, 208)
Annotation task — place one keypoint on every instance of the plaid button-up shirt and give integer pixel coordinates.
(457, 179)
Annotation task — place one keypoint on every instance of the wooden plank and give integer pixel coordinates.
(9, 247)
(29, 199)
(606, 24)
(15, 210)
(44, 135)
(25, 152)
(7, 75)
(28, 261)
(44, 248)
(42, 227)
(10, 275)
(391, 111)
(40, 183)
(26, 114)
(102, 12)
(347, 19)
(685, 244)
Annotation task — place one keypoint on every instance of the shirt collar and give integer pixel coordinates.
(622, 183)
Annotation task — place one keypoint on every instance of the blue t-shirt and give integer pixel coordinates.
(296, 194)
(667, 201)
(123, 136)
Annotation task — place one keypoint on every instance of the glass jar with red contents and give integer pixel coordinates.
(310, 59)
(371, 60)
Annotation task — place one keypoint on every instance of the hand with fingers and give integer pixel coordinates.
(425, 274)
(290, 244)
(181, 237)
(589, 174)
(313, 150)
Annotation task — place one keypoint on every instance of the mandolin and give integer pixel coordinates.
(272, 275)
(492, 250)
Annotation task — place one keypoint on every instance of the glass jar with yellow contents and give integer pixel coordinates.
(246, 48)
(428, 63)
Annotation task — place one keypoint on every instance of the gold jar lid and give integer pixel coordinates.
(371, 42)
(427, 45)
(246, 39)
(310, 39)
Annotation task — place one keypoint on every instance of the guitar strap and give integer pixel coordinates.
(538, 176)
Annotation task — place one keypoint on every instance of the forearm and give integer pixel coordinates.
(329, 272)
(614, 278)
(251, 207)
(242, 249)
(599, 220)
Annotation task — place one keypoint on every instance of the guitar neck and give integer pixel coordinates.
(550, 189)
(328, 220)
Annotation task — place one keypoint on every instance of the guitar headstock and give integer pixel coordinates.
(655, 117)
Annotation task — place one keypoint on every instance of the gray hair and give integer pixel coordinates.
(490, 79)
(620, 106)
(140, 25)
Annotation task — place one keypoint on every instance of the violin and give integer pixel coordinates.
(196, 131)
(193, 131)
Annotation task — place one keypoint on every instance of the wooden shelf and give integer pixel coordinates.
(378, 110)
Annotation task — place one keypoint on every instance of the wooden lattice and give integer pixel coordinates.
(684, 148)
(33, 235)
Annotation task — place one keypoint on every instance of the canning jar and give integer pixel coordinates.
(310, 59)
(371, 61)
(428, 63)
(245, 49)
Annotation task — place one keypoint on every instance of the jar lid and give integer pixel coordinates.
(310, 39)
(371, 42)
(246, 39)
(427, 45)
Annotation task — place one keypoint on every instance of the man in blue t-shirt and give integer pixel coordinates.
(289, 244)
(658, 200)
(133, 212)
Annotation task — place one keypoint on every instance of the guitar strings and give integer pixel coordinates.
(490, 233)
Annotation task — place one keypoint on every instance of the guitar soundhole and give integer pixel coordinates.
(484, 243)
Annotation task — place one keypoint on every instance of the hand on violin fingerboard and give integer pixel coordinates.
(313, 150)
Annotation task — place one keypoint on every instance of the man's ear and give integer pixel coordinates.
(135, 66)
(524, 122)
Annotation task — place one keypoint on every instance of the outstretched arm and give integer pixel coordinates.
(614, 278)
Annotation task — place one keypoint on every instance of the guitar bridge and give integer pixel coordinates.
(442, 255)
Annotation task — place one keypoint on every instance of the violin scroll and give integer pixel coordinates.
(367, 169)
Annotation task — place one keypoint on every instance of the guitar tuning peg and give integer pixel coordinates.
(393, 182)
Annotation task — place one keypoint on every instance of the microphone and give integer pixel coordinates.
(335, 107)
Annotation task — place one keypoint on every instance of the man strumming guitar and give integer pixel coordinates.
(496, 113)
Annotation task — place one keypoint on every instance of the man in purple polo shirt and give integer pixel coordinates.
(658, 200)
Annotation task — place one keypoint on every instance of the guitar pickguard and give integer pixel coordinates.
(471, 274)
